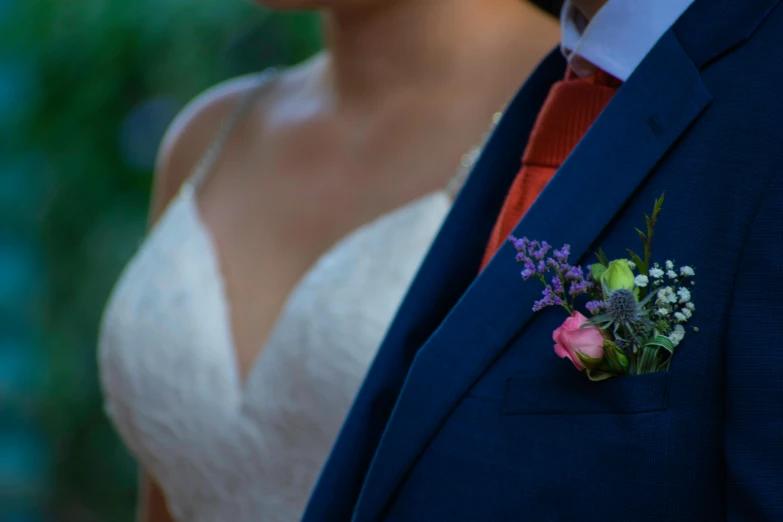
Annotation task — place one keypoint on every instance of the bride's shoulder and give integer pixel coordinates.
(197, 126)
(192, 132)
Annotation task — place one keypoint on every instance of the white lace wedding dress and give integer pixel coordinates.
(224, 451)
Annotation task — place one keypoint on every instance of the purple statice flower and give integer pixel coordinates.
(550, 299)
(539, 259)
(532, 254)
(540, 253)
(579, 287)
(562, 255)
(530, 268)
(520, 244)
(594, 307)
(521, 257)
(527, 274)
(557, 285)
(575, 273)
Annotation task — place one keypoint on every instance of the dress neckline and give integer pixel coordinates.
(188, 198)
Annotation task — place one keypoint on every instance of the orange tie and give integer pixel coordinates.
(572, 106)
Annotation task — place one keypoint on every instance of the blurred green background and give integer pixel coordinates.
(87, 88)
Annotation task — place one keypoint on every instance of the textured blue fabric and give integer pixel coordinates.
(467, 414)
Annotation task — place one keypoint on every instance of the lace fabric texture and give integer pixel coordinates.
(221, 450)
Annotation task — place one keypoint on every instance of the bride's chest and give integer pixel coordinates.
(340, 310)
(171, 312)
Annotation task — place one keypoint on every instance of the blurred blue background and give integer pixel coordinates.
(87, 88)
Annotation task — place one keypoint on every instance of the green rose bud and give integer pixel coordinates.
(590, 363)
(618, 276)
(616, 358)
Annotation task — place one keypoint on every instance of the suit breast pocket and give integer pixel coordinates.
(528, 394)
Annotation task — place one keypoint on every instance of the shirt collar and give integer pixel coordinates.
(619, 36)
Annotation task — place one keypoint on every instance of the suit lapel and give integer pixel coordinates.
(710, 28)
(645, 118)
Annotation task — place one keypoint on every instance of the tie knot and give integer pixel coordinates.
(570, 109)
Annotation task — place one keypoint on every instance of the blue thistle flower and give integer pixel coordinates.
(622, 306)
(623, 312)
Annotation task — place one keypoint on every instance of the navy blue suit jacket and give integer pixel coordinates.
(468, 415)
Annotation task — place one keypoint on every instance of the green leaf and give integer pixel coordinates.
(658, 206)
(598, 375)
(641, 266)
(597, 270)
(603, 318)
(602, 257)
(605, 325)
(650, 221)
(648, 360)
(654, 346)
(642, 236)
(647, 299)
(661, 342)
(589, 362)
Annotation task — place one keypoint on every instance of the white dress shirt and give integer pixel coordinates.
(619, 36)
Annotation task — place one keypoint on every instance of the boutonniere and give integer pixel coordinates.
(637, 308)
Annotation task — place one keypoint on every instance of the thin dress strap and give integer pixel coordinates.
(469, 160)
(230, 122)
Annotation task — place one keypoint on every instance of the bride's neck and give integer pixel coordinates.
(418, 45)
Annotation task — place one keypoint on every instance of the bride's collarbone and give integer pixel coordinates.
(274, 210)
(311, 200)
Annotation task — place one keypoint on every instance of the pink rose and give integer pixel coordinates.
(571, 338)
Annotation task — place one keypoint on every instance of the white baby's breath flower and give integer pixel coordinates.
(686, 271)
(663, 312)
(669, 265)
(641, 281)
(671, 274)
(680, 317)
(656, 273)
(631, 265)
(677, 335)
(690, 306)
(666, 295)
(687, 313)
(684, 294)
